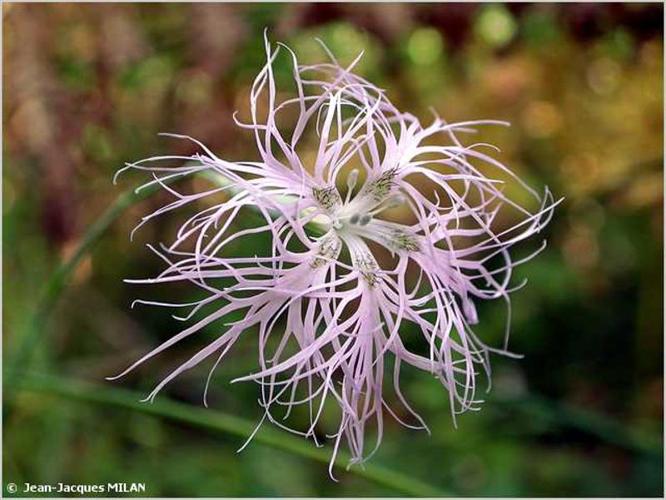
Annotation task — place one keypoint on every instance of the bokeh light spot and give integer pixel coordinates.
(603, 76)
(541, 119)
(425, 46)
(495, 25)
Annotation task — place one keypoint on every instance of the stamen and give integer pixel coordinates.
(393, 201)
(365, 219)
(354, 219)
(352, 179)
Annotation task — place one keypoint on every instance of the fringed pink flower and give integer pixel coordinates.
(344, 297)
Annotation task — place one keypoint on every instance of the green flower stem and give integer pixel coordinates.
(20, 359)
(220, 422)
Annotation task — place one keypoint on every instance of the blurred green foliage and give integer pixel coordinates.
(88, 87)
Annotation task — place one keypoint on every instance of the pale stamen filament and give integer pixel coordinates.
(352, 179)
(393, 201)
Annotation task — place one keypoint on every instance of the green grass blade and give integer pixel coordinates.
(220, 422)
(20, 358)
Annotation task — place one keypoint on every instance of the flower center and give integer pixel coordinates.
(357, 211)
(351, 220)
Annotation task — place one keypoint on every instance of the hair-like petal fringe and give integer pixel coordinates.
(343, 314)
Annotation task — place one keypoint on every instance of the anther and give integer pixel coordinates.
(365, 219)
(354, 219)
(352, 179)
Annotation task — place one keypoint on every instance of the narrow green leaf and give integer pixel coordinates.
(20, 357)
(221, 422)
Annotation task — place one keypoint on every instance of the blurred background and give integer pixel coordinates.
(87, 87)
